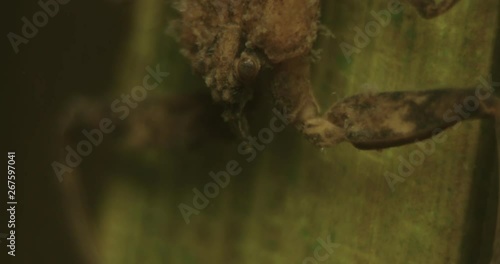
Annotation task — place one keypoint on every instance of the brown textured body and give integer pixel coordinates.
(279, 35)
(215, 33)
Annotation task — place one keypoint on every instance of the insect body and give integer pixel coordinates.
(230, 42)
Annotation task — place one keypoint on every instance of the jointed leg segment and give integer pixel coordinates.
(293, 94)
(374, 121)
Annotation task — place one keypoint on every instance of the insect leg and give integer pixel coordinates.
(292, 91)
(389, 119)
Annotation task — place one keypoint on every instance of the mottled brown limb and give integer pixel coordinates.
(375, 121)
(431, 9)
(390, 119)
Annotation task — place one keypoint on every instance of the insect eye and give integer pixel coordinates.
(248, 68)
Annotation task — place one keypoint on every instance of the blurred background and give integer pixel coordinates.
(121, 203)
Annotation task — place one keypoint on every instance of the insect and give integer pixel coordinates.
(230, 43)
